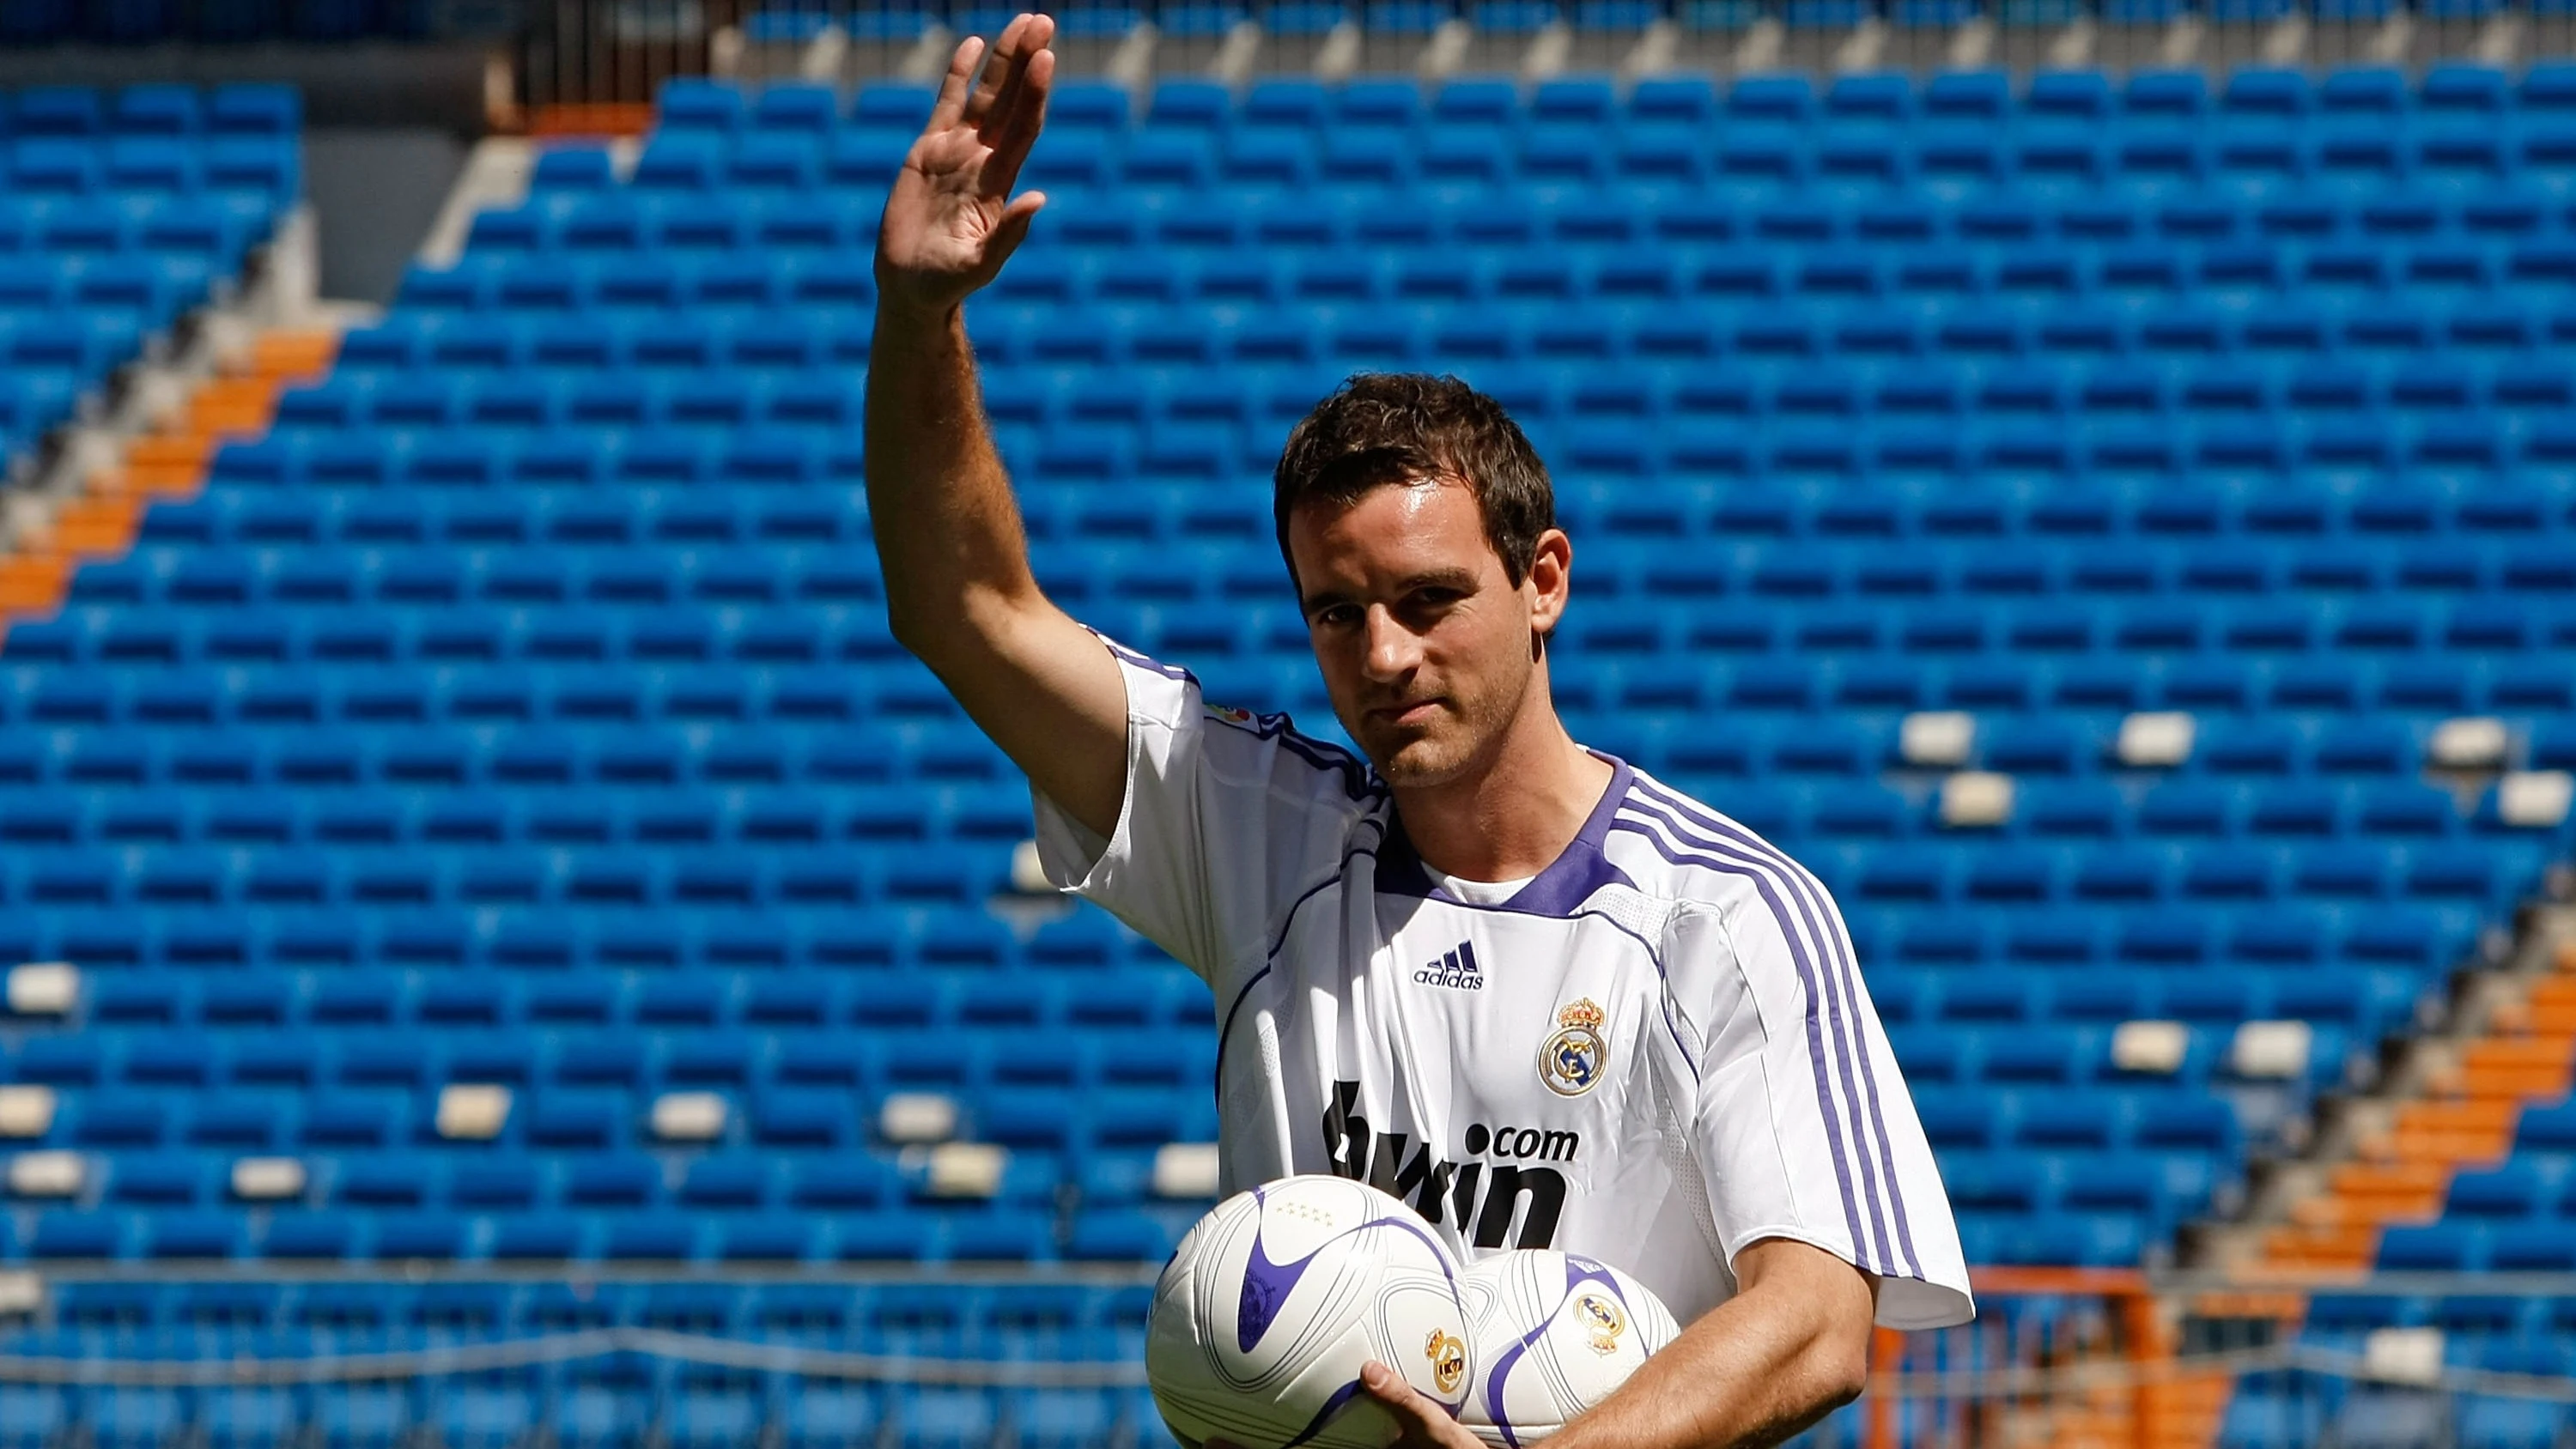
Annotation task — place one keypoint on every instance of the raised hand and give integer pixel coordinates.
(951, 220)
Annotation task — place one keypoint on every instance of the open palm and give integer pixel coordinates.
(951, 220)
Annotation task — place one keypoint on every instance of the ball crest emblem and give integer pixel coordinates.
(1570, 1061)
(1602, 1322)
(1448, 1355)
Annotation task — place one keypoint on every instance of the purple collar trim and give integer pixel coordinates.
(1579, 870)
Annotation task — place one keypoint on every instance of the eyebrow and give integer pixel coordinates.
(1458, 580)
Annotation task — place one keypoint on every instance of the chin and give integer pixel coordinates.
(1419, 762)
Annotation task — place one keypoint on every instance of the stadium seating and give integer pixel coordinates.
(2116, 530)
(120, 211)
(530, 674)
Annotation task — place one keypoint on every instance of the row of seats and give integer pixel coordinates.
(2456, 1246)
(2183, 591)
(2307, 1410)
(1617, 703)
(1626, 706)
(786, 1311)
(2194, 220)
(218, 22)
(379, 732)
(1971, 982)
(2135, 932)
(2060, 1054)
(752, 817)
(1754, 160)
(622, 1232)
(1082, 991)
(220, 227)
(690, 548)
(2215, 938)
(2286, 291)
(151, 110)
(784, 872)
(1034, 1117)
(1950, 523)
(1105, 1002)
(254, 166)
(538, 938)
(1748, 341)
(587, 1406)
(1089, 995)
(719, 107)
(2342, 607)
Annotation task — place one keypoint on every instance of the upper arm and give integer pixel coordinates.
(1804, 1129)
(1046, 691)
(1832, 1306)
(1845, 1297)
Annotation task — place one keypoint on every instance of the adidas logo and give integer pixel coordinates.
(1456, 969)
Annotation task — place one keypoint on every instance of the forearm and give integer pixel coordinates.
(1755, 1370)
(948, 532)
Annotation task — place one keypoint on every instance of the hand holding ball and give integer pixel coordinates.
(1554, 1333)
(1263, 1318)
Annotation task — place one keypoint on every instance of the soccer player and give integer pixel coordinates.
(1544, 998)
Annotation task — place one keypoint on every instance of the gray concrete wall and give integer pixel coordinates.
(375, 191)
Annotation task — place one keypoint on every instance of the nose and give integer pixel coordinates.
(1393, 650)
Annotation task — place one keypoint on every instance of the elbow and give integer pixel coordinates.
(911, 632)
(1841, 1380)
(930, 629)
(1838, 1365)
(950, 624)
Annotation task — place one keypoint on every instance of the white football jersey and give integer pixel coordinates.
(1656, 1051)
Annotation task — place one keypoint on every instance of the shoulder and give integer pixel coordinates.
(1330, 764)
(1266, 750)
(1718, 876)
(1682, 850)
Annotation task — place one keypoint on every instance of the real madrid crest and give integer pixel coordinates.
(1571, 1061)
(1602, 1322)
(1448, 1355)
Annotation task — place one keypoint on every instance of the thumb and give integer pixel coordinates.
(1011, 230)
(1421, 1418)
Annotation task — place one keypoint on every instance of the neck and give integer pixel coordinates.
(1513, 816)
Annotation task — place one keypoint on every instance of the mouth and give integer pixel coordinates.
(1401, 716)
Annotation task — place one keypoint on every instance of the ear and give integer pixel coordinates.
(1550, 581)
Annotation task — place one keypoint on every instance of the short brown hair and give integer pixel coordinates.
(1390, 427)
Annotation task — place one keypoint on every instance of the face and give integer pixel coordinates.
(1427, 647)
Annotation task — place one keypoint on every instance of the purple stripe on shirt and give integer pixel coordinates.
(1815, 1031)
(1840, 1014)
(1836, 945)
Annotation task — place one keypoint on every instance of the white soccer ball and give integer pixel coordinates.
(1554, 1333)
(1264, 1316)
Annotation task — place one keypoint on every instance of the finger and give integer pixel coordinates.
(953, 89)
(1028, 55)
(1011, 230)
(1421, 1418)
(997, 70)
(1011, 146)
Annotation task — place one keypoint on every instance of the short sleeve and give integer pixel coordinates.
(1804, 1128)
(1225, 817)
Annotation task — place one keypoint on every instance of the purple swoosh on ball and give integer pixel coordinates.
(1266, 1285)
(1578, 1269)
(1324, 1415)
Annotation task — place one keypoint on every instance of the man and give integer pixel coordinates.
(1542, 997)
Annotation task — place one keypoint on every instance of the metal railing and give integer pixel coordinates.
(616, 52)
(2057, 1355)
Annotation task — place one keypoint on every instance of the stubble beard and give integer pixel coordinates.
(1462, 738)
